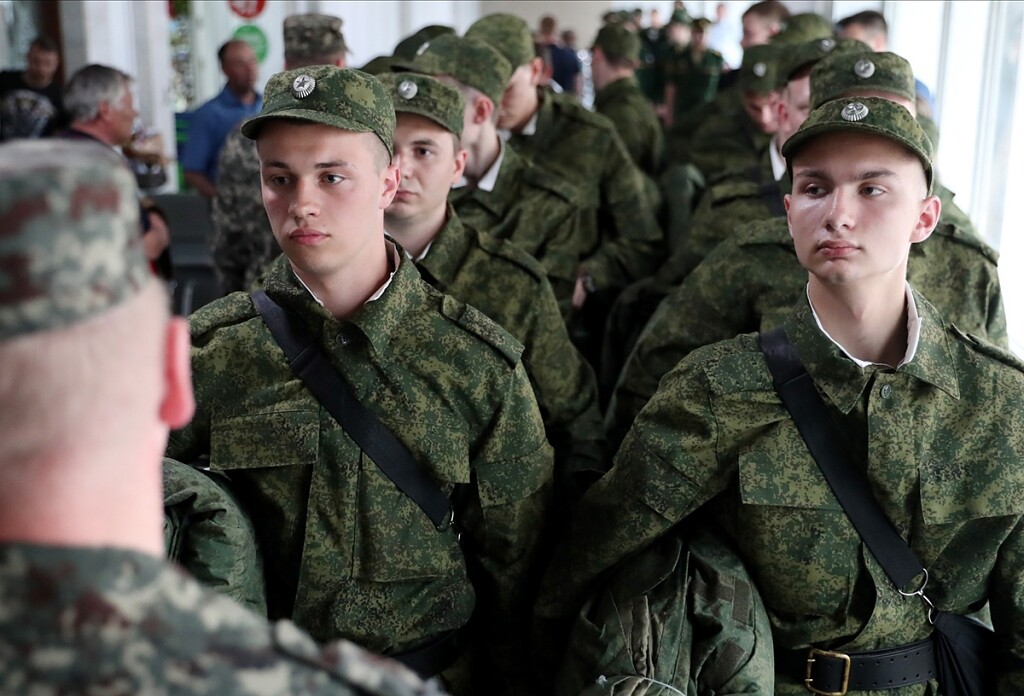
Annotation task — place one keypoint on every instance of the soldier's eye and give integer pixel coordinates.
(333, 178)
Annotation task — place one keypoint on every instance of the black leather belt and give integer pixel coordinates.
(833, 673)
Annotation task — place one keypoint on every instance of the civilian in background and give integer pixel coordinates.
(31, 100)
(565, 66)
(212, 121)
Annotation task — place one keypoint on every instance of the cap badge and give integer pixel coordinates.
(854, 111)
(407, 89)
(864, 68)
(828, 44)
(303, 86)
(760, 69)
(423, 48)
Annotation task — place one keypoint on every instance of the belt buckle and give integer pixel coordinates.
(827, 653)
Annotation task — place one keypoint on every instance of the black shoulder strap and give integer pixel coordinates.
(848, 484)
(309, 363)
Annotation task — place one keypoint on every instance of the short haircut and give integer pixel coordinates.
(90, 87)
(768, 10)
(44, 43)
(223, 50)
(73, 387)
(873, 22)
(548, 24)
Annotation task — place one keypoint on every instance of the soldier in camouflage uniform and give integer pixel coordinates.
(347, 552)
(93, 372)
(748, 286)
(614, 57)
(934, 415)
(691, 74)
(242, 242)
(493, 275)
(557, 131)
(501, 192)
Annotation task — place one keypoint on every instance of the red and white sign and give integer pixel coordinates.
(247, 9)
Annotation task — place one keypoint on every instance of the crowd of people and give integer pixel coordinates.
(499, 397)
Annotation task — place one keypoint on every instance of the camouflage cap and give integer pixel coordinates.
(379, 65)
(873, 115)
(617, 42)
(471, 61)
(931, 129)
(841, 74)
(807, 54)
(312, 35)
(70, 246)
(760, 69)
(340, 97)
(701, 24)
(803, 27)
(680, 17)
(410, 46)
(423, 95)
(507, 33)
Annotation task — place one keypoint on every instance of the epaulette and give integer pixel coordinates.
(231, 309)
(507, 251)
(732, 188)
(545, 179)
(958, 234)
(474, 322)
(768, 231)
(990, 350)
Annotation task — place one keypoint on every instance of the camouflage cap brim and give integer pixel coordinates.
(72, 243)
(342, 98)
(871, 115)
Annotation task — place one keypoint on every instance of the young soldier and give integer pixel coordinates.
(93, 373)
(752, 278)
(556, 131)
(931, 413)
(242, 241)
(494, 276)
(347, 551)
(502, 193)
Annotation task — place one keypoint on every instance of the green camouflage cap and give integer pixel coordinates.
(760, 69)
(803, 27)
(680, 17)
(423, 95)
(507, 33)
(340, 97)
(379, 65)
(931, 129)
(410, 46)
(838, 75)
(71, 245)
(312, 35)
(618, 42)
(701, 24)
(807, 54)
(873, 115)
(472, 62)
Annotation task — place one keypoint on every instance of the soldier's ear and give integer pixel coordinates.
(460, 165)
(931, 208)
(483, 107)
(178, 404)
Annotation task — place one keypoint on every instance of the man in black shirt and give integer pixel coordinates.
(31, 100)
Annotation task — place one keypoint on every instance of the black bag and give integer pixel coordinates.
(962, 644)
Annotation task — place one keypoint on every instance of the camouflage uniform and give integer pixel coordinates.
(535, 208)
(750, 281)
(242, 241)
(101, 620)
(572, 140)
(347, 552)
(509, 287)
(208, 534)
(124, 621)
(696, 80)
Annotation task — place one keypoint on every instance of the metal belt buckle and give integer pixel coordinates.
(449, 522)
(827, 653)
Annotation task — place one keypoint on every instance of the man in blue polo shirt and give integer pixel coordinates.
(212, 121)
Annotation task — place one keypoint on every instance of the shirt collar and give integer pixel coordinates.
(778, 161)
(395, 260)
(843, 381)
